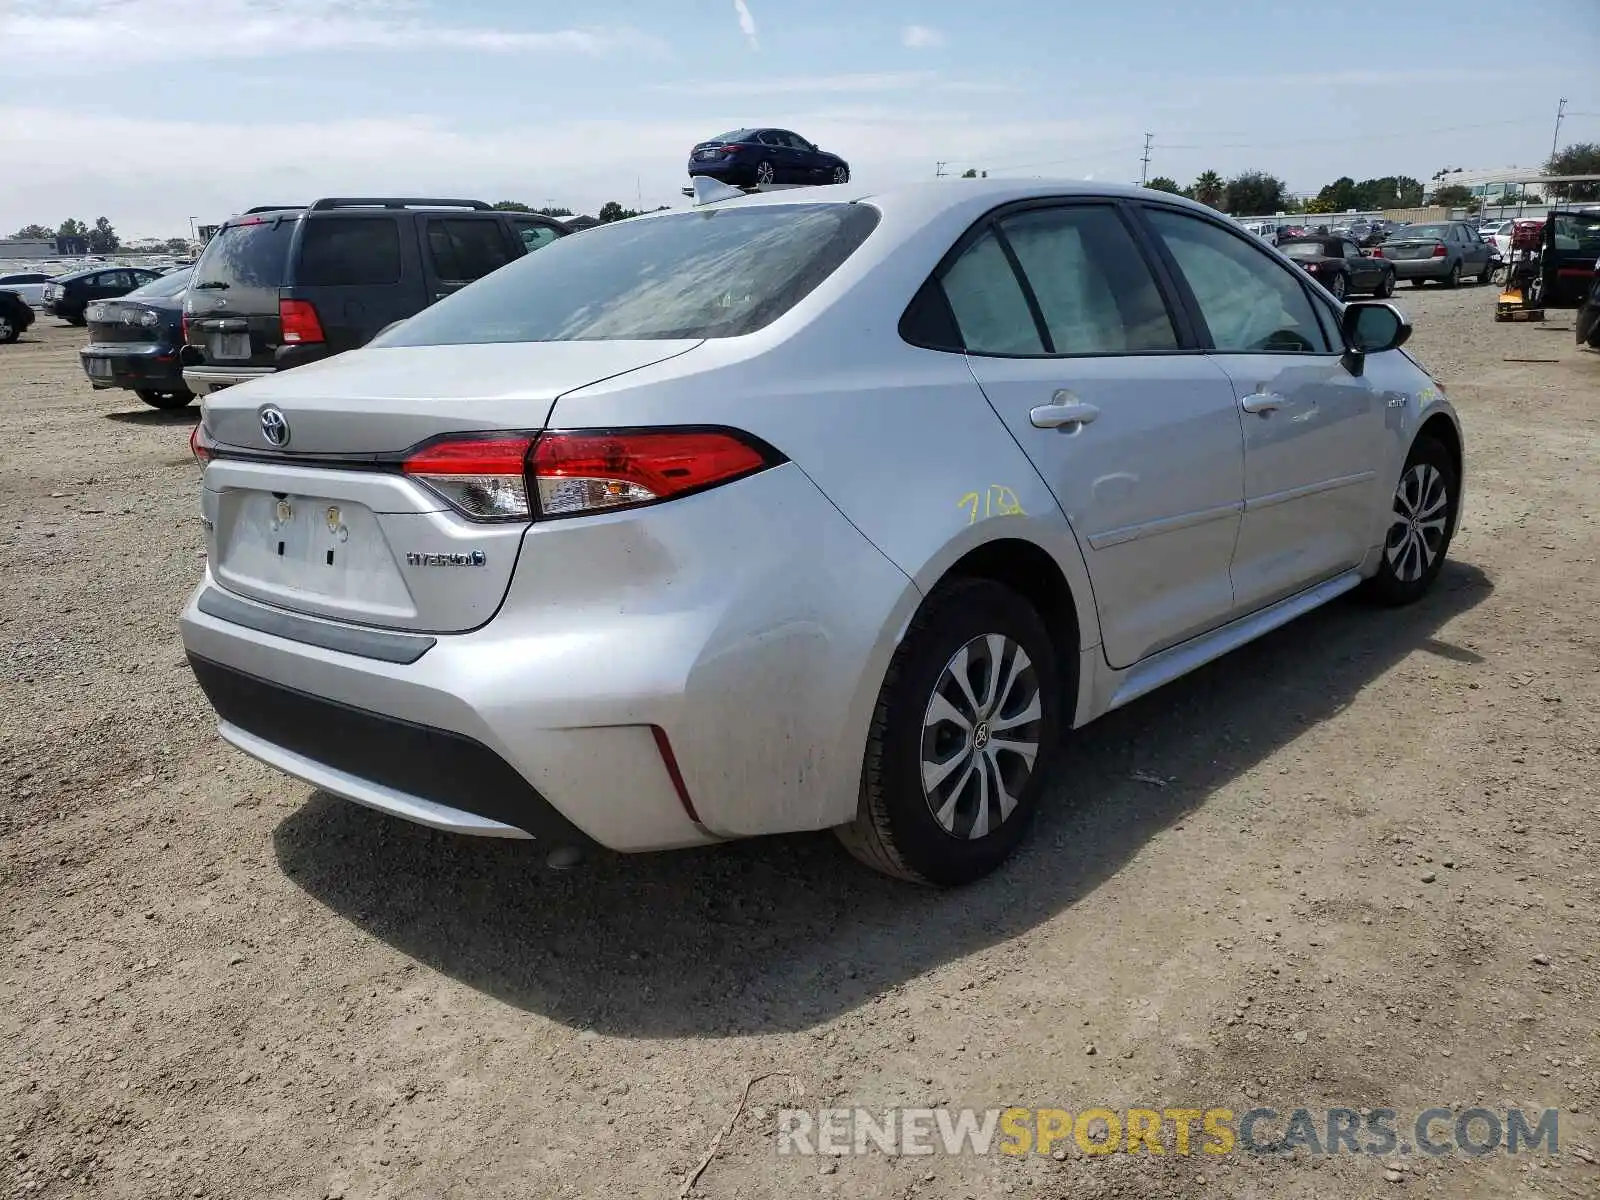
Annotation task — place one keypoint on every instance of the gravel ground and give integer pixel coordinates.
(1353, 864)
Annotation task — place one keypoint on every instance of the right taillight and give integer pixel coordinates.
(299, 321)
(1440, 251)
(586, 471)
(571, 473)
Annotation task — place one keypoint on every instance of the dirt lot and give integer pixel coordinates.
(1354, 864)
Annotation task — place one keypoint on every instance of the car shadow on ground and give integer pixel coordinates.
(779, 934)
(187, 415)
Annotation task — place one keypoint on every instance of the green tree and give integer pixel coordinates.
(1208, 189)
(1390, 191)
(103, 238)
(1162, 183)
(1337, 196)
(612, 211)
(1254, 194)
(511, 206)
(177, 246)
(974, 173)
(72, 227)
(1580, 158)
(34, 233)
(1452, 195)
(557, 212)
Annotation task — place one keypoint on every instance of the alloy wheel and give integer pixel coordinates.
(1417, 533)
(840, 175)
(5, 329)
(764, 172)
(980, 736)
(1337, 287)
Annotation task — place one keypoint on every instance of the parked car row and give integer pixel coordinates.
(1341, 265)
(135, 340)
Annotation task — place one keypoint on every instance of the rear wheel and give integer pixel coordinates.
(170, 399)
(962, 738)
(1421, 523)
(1338, 287)
(765, 173)
(1453, 279)
(9, 330)
(841, 174)
(1385, 286)
(1487, 274)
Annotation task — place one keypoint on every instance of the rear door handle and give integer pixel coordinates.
(1055, 416)
(1262, 402)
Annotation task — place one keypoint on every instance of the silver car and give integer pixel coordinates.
(802, 512)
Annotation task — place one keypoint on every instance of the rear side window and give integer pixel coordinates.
(466, 250)
(1094, 292)
(535, 235)
(714, 272)
(990, 307)
(349, 250)
(255, 254)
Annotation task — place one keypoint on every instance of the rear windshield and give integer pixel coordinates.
(707, 274)
(1436, 232)
(167, 285)
(255, 254)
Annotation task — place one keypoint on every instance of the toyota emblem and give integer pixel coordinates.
(274, 427)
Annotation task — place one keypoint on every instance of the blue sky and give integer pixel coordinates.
(153, 111)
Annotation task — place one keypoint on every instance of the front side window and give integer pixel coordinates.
(1094, 291)
(1248, 300)
(115, 279)
(709, 273)
(349, 250)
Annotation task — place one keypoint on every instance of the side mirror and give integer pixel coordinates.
(1371, 327)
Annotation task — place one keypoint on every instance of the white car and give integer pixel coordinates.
(27, 284)
(804, 510)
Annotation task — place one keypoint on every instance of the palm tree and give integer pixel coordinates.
(1208, 189)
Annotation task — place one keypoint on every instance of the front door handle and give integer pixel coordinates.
(1262, 402)
(1056, 416)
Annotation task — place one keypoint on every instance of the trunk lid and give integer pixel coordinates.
(1410, 247)
(334, 537)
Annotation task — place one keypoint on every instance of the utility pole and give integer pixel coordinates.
(1561, 111)
(938, 170)
(1144, 163)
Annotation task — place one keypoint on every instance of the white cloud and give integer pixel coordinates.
(921, 37)
(747, 23)
(60, 34)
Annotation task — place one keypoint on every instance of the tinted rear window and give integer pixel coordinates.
(252, 255)
(1437, 232)
(349, 250)
(705, 274)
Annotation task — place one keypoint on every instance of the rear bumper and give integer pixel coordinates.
(748, 629)
(202, 381)
(133, 366)
(1420, 268)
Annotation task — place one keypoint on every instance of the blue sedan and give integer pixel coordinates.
(749, 157)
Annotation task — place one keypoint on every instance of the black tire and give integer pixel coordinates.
(765, 173)
(1385, 287)
(1453, 278)
(841, 174)
(896, 830)
(10, 330)
(1339, 286)
(1487, 274)
(173, 399)
(79, 320)
(1393, 585)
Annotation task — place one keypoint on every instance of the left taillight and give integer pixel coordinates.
(571, 473)
(200, 445)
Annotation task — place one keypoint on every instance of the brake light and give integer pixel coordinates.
(183, 329)
(1440, 251)
(483, 478)
(1377, 252)
(299, 321)
(200, 445)
(582, 471)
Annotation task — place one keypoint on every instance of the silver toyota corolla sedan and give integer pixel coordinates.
(806, 510)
